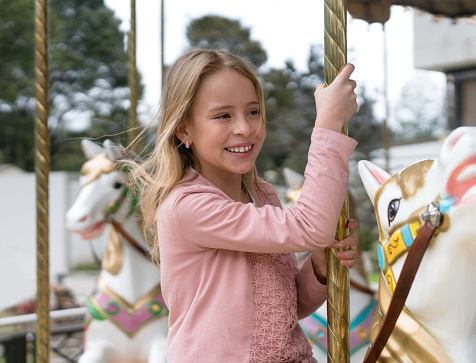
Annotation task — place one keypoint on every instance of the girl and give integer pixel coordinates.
(229, 276)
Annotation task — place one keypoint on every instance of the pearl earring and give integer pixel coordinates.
(187, 145)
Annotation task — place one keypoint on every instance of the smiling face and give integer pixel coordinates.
(225, 128)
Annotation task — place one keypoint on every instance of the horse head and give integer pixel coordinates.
(103, 195)
(443, 278)
(102, 191)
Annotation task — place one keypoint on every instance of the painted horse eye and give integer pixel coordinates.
(117, 185)
(393, 209)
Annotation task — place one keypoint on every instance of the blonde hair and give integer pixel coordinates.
(170, 159)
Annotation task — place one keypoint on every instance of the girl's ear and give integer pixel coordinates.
(181, 131)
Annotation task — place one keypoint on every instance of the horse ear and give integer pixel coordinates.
(293, 178)
(113, 151)
(90, 148)
(372, 177)
(132, 155)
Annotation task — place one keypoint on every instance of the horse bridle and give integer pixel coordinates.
(432, 219)
(109, 217)
(112, 209)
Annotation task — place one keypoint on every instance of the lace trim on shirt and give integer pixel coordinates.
(276, 335)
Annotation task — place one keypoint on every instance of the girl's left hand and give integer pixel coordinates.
(347, 257)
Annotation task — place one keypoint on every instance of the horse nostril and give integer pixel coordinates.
(83, 219)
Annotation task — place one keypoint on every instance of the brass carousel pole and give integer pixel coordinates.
(42, 169)
(386, 131)
(338, 328)
(133, 80)
(162, 36)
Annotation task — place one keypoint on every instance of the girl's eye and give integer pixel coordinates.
(117, 185)
(393, 209)
(254, 113)
(225, 115)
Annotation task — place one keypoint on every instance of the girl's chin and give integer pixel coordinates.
(243, 170)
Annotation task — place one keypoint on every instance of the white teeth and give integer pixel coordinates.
(241, 149)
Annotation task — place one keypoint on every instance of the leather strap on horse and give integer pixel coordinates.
(405, 281)
(361, 287)
(110, 218)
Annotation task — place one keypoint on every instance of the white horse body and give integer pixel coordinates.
(442, 297)
(132, 282)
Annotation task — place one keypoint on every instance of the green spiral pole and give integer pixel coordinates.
(42, 169)
(338, 317)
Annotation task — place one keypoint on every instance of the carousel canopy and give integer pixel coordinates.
(378, 11)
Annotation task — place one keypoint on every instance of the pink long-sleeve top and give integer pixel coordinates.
(228, 274)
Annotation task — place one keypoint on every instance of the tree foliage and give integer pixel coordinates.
(88, 79)
(216, 32)
(16, 88)
(421, 111)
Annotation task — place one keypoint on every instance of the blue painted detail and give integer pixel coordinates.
(446, 204)
(407, 237)
(381, 258)
(319, 319)
(361, 317)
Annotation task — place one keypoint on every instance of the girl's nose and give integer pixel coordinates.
(242, 127)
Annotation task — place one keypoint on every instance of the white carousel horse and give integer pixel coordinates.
(362, 299)
(438, 322)
(127, 313)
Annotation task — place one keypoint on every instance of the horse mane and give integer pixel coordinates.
(409, 179)
(114, 255)
(100, 164)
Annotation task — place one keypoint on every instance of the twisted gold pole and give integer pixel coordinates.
(338, 317)
(133, 81)
(42, 168)
(162, 36)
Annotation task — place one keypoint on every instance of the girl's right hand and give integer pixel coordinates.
(336, 103)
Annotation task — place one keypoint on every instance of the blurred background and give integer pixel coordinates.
(416, 76)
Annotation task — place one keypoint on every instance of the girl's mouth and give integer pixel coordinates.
(239, 150)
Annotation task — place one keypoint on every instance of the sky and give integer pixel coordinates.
(286, 30)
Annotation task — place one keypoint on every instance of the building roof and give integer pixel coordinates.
(379, 10)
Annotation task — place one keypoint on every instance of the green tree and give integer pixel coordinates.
(16, 88)
(216, 32)
(364, 125)
(88, 79)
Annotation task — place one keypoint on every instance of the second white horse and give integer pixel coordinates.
(127, 314)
